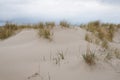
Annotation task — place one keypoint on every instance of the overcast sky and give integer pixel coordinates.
(74, 11)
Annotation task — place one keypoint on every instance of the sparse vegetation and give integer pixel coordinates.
(100, 33)
(41, 25)
(112, 53)
(50, 24)
(104, 44)
(7, 30)
(5, 33)
(93, 26)
(51, 61)
(108, 56)
(45, 33)
(61, 55)
(10, 26)
(92, 38)
(57, 60)
(64, 24)
(117, 53)
(89, 57)
(101, 30)
(88, 38)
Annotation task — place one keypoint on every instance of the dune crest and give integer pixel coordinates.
(26, 56)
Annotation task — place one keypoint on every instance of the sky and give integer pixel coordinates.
(73, 11)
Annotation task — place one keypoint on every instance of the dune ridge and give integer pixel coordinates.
(26, 56)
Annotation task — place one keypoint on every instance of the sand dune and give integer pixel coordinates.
(26, 56)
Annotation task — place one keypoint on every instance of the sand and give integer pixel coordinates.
(26, 56)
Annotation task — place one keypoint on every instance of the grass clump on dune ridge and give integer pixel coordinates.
(101, 30)
(45, 33)
(100, 33)
(5, 33)
(7, 30)
(93, 26)
(50, 24)
(64, 24)
(88, 37)
(40, 25)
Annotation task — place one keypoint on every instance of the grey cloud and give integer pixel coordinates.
(111, 2)
(22, 9)
(14, 2)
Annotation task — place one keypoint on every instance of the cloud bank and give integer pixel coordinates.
(75, 11)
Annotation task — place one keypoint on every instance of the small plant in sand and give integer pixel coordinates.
(59, 57)
(45, 33)
(89, 57)
(57, 60)
(64, 24)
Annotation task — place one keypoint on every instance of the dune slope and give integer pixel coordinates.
(26, 56)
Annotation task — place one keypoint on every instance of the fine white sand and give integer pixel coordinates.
(26, 56)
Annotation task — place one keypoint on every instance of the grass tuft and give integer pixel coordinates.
(117, 53)
(50, 24)
(89, 57)
(104, 44)
(7, 30)
(41, 25)
(88, 38)
(64, 24)
(45, 33)
(61, 55)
